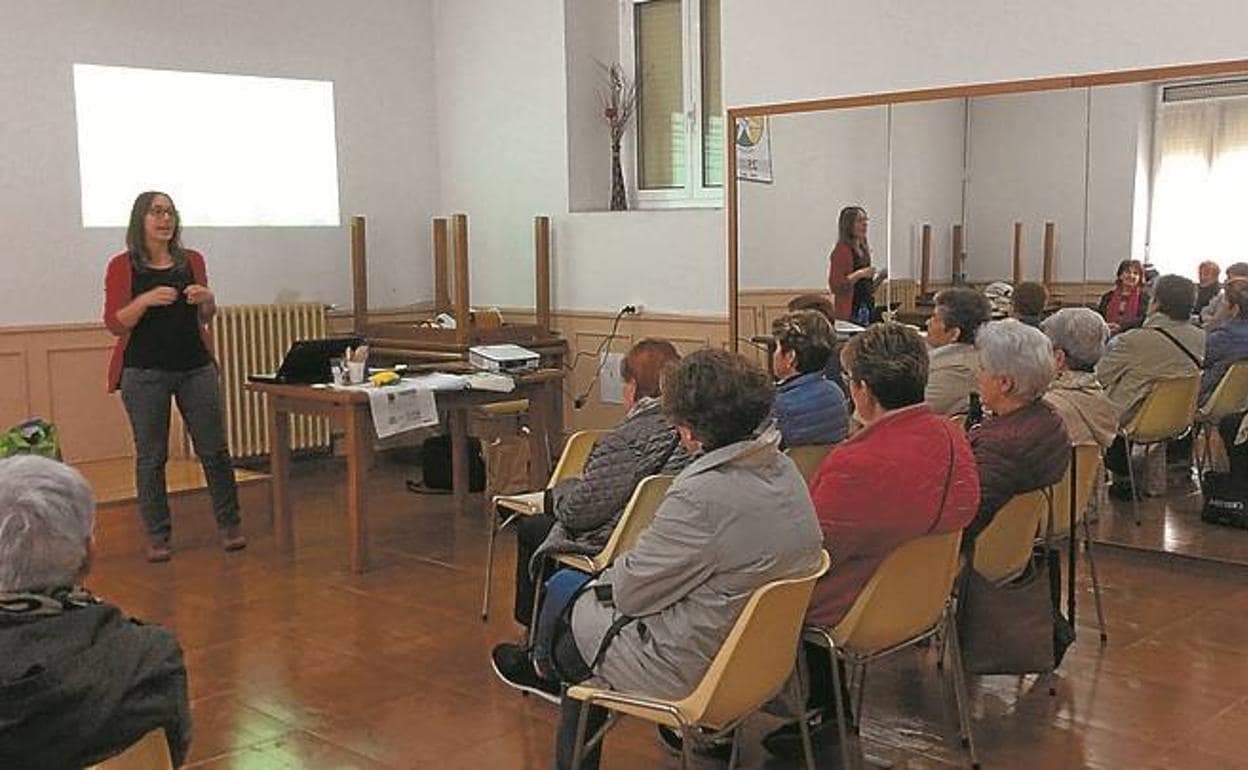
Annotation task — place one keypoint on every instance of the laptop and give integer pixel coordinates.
(307, 361)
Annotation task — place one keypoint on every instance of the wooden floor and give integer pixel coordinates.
(296, 663)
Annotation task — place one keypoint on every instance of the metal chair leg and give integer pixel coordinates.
(1096, 583)
(960, 691)
(846, 760)
(1135, 490)
(808, 748)
(578, 748)
(686, 738)
(736, 749)
(489, 563)
(862, 691)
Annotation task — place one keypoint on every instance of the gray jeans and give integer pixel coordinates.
(146, 394)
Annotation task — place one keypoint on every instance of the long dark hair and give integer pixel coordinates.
(136, 239)
(845, 233)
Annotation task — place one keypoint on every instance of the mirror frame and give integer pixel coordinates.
(1114, 77)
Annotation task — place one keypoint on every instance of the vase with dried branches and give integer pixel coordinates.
(619, 99)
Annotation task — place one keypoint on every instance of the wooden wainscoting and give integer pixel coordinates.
(59, 373)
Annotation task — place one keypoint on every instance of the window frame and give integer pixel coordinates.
(694, 194)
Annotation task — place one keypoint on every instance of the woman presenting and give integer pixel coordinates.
(850, 275)
(158, 304)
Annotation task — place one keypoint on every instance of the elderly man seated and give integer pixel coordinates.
(1023, 446)
(1167, 345)
(79, 681)
(951, 333)
(1079, 335)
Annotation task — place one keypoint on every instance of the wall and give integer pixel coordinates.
(379, 55)
(785, 54)
(504, 151)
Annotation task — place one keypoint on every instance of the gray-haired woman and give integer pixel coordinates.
(1079, 336)
(1023, 446)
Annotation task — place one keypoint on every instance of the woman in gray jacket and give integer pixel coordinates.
(737, 518)
(580, 513)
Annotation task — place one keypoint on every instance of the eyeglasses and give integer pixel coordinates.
(160, 211)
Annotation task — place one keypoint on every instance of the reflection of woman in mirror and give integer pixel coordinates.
(850, 275)
(1125, 305)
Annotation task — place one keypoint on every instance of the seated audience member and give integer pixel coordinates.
(951, 332)
(1125, 305)
(79, 682)
(1023, 445)
(808, 409)
(863, 512)
(1208, 285)
(1227, 344)
(1029, 301)
(1079, 335)
(1214, 312)
(580, 513)
(1168, 345)
(823, 305)
(736, 518)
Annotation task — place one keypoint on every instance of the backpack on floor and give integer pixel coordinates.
(435, 463)
(33, 437)
(1226, 499)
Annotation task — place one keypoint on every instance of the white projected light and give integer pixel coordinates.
(232, 150)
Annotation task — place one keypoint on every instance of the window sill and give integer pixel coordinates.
(650, 206)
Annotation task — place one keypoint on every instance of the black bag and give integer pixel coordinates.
(435, 462)
(1226, 499)
(1018, 627)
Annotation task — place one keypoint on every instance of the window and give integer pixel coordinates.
(232, 150)
(674, 47)
(1200, 178)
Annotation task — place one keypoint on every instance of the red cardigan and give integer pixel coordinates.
(117, 294)
(881, 488)
(840, 265)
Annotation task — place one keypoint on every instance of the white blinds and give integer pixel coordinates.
(712, 98)
(1200, 185)
(661, 99)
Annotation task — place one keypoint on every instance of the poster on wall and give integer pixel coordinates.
(754, 149)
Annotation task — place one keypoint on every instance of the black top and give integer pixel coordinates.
(166, 337)
(864, 290)
(1205, 295)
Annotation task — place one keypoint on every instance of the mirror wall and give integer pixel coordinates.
(1052, 185)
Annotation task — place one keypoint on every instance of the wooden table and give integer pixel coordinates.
(350, 409)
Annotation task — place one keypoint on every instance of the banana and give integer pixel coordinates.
(381, 379)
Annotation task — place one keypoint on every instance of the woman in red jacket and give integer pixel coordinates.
(850, 274)
(157, 302)
(864, 512)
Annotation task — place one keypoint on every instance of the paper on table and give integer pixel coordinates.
(439, 381)
(401, 408)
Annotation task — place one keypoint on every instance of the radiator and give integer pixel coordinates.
(251, 339)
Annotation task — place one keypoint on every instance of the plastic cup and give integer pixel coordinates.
(355, 372)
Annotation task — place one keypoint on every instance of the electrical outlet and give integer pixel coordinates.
(610, 382)
(637, 307)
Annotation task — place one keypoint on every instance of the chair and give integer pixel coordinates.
(1167, 413)
(1070, 511)
(750, 668)
(571, 463)
(151, 752)
(907, 600)
(808, 458)
(637, 515)
(1229, 397)
(1004, 547)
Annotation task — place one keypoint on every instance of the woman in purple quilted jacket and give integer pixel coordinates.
(580, 513)
(1023, 446)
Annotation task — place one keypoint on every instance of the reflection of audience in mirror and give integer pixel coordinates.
(1167, 345)
(1079, 336)
(850, 274)
(79, 681)
(1215, 312)
(1028, 302)
(1227, 344)
(1125, 305)
(808, 408)
(1023, 445)
(951, 330)
(1208, 285)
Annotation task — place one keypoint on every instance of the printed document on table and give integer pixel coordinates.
(403, 407)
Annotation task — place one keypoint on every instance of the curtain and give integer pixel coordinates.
(1200, 185)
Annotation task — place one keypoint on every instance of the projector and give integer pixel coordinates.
(503, 358)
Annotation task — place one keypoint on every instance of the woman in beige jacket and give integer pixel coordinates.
(1079, 336)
